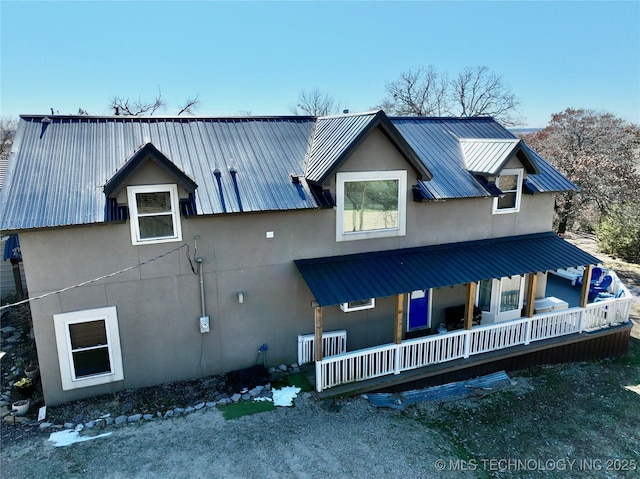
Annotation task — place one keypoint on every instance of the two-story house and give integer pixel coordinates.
(161, 249)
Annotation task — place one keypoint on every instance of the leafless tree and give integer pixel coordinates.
(421, 92)
(127, 107)
(315, 102)
(475, 91)
(478, 92)
(7, 133)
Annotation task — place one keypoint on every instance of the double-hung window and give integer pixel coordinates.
(510, 183)
(88, 345)
(155, 214)
(370, 204)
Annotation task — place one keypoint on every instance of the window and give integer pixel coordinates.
(370, 204)
(88, 347)
(500, 299)
(155, 214)
(510, 183)
(358, 305)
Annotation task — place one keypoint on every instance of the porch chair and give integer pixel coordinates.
(601, 287)
(596, 273)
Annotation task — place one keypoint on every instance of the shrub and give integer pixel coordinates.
(619, 232)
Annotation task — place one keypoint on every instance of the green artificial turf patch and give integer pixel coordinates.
(245, 408)
(299, 380)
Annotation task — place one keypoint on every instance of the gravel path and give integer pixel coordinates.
(314, 439)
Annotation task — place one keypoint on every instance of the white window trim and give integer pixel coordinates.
(494, 314)
(348, 309)
(61, 324)
(346, 177)
(133, 213)
(519, 172)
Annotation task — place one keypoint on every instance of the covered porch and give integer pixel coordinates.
(556, 312)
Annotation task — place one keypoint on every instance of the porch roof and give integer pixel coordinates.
(355, 277)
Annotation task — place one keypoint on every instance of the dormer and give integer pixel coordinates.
(500, 165)
(153, 193)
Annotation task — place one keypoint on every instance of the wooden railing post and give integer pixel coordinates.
(469, 304)
(531, 295)
(318, 346)
(586, 284)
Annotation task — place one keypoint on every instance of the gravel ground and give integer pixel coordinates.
(313, 439)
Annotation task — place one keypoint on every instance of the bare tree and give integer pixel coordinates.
(7, 133)
(421, 91)
(315, 102)
(478, 92)
(475, 91)
(127, 107)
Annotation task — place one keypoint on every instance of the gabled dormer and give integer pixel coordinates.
(153, 193)
(366, 164)
(501, 166)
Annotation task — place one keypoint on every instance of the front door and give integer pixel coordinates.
(418, 310)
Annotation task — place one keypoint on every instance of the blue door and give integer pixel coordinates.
(418, 309)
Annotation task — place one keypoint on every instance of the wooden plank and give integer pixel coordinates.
(318, 331)
(586, 282)
(399, 317)
(531, 295)
(468, 306)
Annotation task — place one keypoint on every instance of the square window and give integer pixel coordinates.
(88, 344)
(370, 204)
(510, 183)
(155, 214)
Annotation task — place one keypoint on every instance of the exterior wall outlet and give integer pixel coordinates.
(204, 324)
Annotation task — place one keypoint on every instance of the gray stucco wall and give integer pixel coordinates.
(158, 303)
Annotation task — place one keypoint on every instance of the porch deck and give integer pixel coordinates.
(571, 332)
(604, 343)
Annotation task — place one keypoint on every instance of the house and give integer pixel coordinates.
(162, 249)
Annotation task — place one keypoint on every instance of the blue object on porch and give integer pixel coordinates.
(455, 390)
(596, 274)
(12, 248)
(601, 287)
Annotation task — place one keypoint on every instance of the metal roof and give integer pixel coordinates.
(488, 156)
(340, 279)
(334, 137)
(437, 142)
(59, 165)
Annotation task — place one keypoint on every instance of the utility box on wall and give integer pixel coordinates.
(204, 324)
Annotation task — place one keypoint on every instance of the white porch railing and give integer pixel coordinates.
(416, 353)
(333, 342)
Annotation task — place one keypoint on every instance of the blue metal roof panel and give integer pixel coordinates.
(58, 169)
(332, 136)
(437, 142)
(339, 279)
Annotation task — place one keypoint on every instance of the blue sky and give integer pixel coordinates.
(257, 56)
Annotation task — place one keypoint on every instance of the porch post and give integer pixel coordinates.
(586, 283)
(531, 295)
(399, 316)
(468, 306)
(318, 331)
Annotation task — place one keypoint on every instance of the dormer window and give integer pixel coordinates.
(154, 214)
(510, 184)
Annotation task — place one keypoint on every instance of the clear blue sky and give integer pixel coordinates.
(257, 56)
